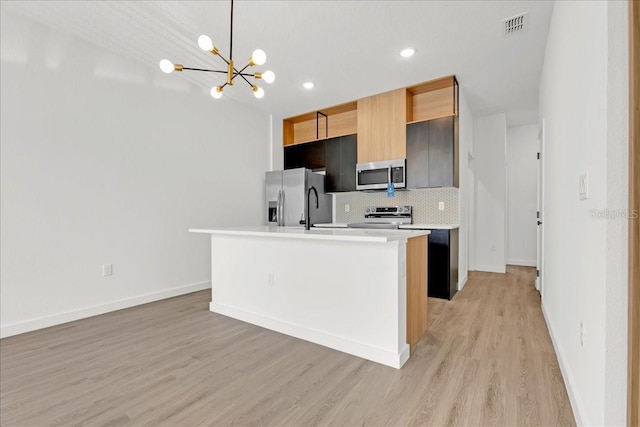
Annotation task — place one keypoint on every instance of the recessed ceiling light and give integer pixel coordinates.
(308, 85)
(405, 53)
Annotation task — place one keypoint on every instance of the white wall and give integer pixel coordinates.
(471, 212)
(489, 139)
(277, 150)
(108, 161)
(465, 137)
(617, 198)
(522, 188)
(583, 100)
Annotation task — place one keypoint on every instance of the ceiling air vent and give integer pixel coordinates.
(516, 24)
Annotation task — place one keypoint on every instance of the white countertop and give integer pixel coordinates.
(407, 226)
(335, 234)
(430, 226)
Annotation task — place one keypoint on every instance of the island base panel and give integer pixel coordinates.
(374, 354)
(350, 296)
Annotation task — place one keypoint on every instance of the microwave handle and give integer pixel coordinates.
(389, 175)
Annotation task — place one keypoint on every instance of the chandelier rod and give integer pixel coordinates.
(231, 38)
(203, 69)
(240, 73)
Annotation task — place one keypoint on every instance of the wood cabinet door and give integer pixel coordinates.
(333, 181)
(294, 156)
(382, 131)
(441, 148)
(314, 155)
(348, 159)
(431, 153)
(439, 264)
(416, 279)
(418, 155)
(309, 155)
(340, 163)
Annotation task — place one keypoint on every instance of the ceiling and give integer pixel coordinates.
(350, 49)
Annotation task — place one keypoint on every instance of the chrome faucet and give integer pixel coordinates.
(307, 223)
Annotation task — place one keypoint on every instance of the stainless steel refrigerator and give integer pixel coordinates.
(286, 193)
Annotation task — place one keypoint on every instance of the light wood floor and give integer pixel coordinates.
(486, 359)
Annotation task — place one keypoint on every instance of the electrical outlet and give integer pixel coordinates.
(581, 334)
(107, 270)
(441, 206)
(270, 280)
(346, 207)
(583, 187)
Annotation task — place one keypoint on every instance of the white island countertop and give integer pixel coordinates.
(336, 234)
(430, 226)
(402, 227)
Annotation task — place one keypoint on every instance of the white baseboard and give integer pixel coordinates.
(522, 262)
(83, 313)
(576, 404)
(492, 268)
(463, 281)
(384, 357)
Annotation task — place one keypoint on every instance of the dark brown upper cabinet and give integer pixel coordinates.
(432, 153)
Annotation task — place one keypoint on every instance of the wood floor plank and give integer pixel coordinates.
(486, 359)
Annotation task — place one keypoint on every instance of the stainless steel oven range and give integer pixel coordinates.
(385, 217)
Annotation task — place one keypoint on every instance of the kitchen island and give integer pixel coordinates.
(363, 292)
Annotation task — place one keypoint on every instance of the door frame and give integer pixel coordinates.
(471, 212)
(540, 210)
(633, 361)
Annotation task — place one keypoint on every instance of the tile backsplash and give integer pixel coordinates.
(424, 201)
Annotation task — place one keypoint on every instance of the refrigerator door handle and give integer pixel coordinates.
(282, 208)
(278, 208)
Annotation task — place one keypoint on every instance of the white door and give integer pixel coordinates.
(540, 218)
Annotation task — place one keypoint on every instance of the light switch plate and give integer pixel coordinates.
(583, 187)
(441, 206)
(107, 270)
(346, 207)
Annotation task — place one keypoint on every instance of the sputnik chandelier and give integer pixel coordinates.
(258, 57)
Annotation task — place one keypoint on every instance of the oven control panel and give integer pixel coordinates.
(388, 214)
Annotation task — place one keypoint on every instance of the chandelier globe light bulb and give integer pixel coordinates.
(216, 92)
(268, 77)
(258, 92)
(205, 43)
(166, 66)
(258, 57)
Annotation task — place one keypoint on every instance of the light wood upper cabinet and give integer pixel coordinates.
(339, 120)
(382, 130)
(432, 100)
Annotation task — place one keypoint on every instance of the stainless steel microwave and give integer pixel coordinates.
(377, 175)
